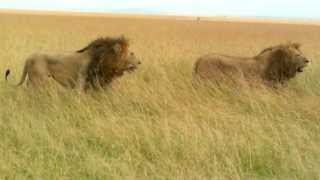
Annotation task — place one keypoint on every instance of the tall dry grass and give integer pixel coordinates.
(155, 123)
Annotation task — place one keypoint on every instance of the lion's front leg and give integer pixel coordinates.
(82, 79)
(82, 84)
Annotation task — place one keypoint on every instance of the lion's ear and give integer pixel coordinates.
(296, 45)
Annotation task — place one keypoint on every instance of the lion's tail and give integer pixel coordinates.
(195, 68)
(7, 74)
(23, 76)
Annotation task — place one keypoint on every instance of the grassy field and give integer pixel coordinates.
(154, 123)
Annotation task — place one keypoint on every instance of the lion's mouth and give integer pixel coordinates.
(300, 69)
(131, 68)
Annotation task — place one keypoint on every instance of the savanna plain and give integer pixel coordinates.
(157, 123)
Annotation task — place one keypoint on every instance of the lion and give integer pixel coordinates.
(93, 66)
(272, 66)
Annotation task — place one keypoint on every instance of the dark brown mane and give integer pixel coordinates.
(105, 42)
(285, 46)
(281, 67)
(100, 51)
(270, 49)
(265, 50)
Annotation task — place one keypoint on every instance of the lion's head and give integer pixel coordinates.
(110, 58)
(284, 62)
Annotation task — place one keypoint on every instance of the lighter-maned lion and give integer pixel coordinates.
(96, 65)
(272, 66)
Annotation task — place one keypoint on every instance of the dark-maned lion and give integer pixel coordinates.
(96, 65)
(274, 65)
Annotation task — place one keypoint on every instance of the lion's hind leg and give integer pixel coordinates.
(38, 74)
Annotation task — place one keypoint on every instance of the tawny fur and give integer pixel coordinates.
(95, 65)
(272, 66)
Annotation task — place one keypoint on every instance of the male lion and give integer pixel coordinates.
(96, 65)
(274, 65)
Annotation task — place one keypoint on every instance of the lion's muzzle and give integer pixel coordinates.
(301, 67)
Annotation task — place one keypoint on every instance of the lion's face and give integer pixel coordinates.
(110, 58)
(298, 60)
(126, 61)
(284, 62)
(116, 61)
(130, 63)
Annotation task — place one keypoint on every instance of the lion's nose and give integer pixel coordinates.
(139, 62)
(306, 61)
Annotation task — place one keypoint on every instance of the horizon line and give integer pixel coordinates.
(119, 12)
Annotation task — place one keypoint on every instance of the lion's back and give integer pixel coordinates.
(213, 65)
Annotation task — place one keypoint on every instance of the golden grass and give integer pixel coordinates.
(155, 123)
